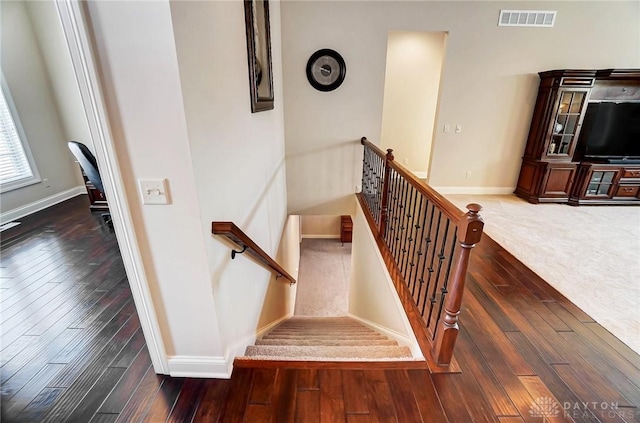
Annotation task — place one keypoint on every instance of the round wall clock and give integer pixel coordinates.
(326, 70)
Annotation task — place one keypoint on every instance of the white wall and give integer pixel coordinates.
(238, 156)
(176, 84)
(412, 82)
(320, 226)
(372, 295)
(489, 84)
(32, 90)
(283, 297)
(48, 31)
(137, 59)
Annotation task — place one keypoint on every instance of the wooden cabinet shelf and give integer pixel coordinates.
(553, 170)
(346, 229)
(599, 183)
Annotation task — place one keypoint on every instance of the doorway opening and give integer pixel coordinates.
(411, 94)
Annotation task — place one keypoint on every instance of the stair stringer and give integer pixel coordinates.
(400, 338)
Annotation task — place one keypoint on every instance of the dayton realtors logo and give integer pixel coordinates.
(547, 408)
(544, 407)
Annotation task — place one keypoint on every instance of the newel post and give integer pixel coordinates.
(384, 217)
(469, 233)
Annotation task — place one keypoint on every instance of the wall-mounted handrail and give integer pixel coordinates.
(425, 242)
(235, 235)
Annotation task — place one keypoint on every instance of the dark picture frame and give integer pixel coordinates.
(256, 13)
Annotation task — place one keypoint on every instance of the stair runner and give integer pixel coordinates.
(326, 339)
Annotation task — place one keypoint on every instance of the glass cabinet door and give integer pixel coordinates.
(600, 183)
(566, 123)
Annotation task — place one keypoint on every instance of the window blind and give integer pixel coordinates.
(14, 165)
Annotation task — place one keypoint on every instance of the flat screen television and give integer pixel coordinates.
(611, 131)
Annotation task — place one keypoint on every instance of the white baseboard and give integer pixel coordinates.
(203, 367)
(312, 236)
(397, 336)
(41, 204)
(237, 349)
(475, 190)
(216, 367)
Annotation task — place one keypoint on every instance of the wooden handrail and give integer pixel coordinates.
(443, 204)
(235, 235)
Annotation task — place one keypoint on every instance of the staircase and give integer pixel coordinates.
(326, 339)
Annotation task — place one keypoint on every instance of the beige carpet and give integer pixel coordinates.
(326, 338)
(320, 329)
(591, 254)
(323, 279)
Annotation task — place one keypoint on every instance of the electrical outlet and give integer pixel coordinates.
(467, 175)
(458, 129)
(447, 128)
(46, 183)
(405, 161)
(154, 191)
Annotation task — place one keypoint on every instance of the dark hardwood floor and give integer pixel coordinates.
(72, 350)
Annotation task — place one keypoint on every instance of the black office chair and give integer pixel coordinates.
(89, 166)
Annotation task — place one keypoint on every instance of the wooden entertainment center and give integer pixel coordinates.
(556, 167)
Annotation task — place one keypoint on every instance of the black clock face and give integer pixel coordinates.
(326, 70)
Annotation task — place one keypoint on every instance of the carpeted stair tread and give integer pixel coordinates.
(333, 352)
(328, 342)
(326, 339)
(323, 332)
(323, 329)
(345, 320)
(371, 338)
(285, 339)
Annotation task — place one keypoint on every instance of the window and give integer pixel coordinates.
(17, 168)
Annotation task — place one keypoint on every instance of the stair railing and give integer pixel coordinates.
(235, 235)
(425, 241)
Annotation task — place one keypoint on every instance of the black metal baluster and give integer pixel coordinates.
(423, 244)
(410, 212)
(399, 232)
(393, 208)
(417, 250)
(374, 187)
(411, 218)
(367, 175)
(436, 235)
(446, 280)
(379, 172)
(372, 190)
(397, 213)
(441, 257)
(364, 169)
(425, 259)
(405, 224)
(397, 217)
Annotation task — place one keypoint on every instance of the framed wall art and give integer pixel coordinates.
(256, 14)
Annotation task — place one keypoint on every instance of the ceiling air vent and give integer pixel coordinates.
(539, 18)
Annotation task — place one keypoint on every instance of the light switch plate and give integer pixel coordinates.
(154, 191)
